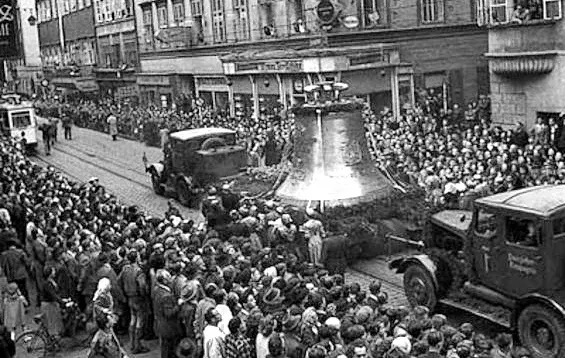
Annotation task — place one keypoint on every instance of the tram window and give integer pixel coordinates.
(21, 119)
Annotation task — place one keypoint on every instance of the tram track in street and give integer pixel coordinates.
(105, 168)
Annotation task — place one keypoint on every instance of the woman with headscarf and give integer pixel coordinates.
(103, 299)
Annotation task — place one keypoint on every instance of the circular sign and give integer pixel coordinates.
(350, 22)
(325, 11)
(45, 83)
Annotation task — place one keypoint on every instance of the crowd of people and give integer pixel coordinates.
(260, 137)
(256, 279)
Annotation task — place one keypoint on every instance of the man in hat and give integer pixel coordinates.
(230, 200)
(237, 345)
(291, 337)
(186, 349)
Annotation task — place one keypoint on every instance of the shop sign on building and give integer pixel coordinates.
(153, 80)
(8, 42)
(326, 12)
(287, 66)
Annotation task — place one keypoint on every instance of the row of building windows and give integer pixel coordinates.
(111, 10)
(238, 25)
(50, 9)
(494, 12)
(81, 52)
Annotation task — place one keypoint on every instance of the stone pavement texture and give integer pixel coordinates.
(119, 167)
(117, 164)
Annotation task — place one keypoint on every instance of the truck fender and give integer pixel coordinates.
(155, 167)
(534, 298)
(400, 265)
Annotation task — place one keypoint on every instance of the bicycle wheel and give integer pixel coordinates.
(31, 344)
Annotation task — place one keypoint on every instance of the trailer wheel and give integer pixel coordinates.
(419, 287)
(156, 181)
(542, 330)
(183, 192)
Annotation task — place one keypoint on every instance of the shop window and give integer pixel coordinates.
(241, 20)
(162, 16)
(372, 13)
(431, 11)
(80, 4)
(73, 6)
(178, 13)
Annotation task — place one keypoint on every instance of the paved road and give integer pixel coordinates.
(117, 164)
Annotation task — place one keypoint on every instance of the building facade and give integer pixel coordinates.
(22, 73)
(245, 55)
(526, 59)
(117, 48)
(67, 41)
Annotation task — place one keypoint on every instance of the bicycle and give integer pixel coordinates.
(38, 343)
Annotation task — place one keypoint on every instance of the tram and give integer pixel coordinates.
(18, 120)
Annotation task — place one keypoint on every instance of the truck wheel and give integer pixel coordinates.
(156, 181)
(419, 287)
(542, 331)
(183, 193)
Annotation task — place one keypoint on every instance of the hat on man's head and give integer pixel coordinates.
(291, 323)
(273, 297)
(186, 348)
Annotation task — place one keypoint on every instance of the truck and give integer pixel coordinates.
(194, 158)
(507, 252)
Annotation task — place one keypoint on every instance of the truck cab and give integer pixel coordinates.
(514, 250)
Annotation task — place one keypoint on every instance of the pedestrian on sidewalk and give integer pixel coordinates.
(67, 126)
(112, 121)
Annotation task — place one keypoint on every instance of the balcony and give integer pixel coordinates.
(522, 63)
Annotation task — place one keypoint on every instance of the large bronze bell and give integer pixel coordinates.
(331, 162)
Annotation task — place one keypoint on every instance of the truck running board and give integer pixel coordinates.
(475, 312)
